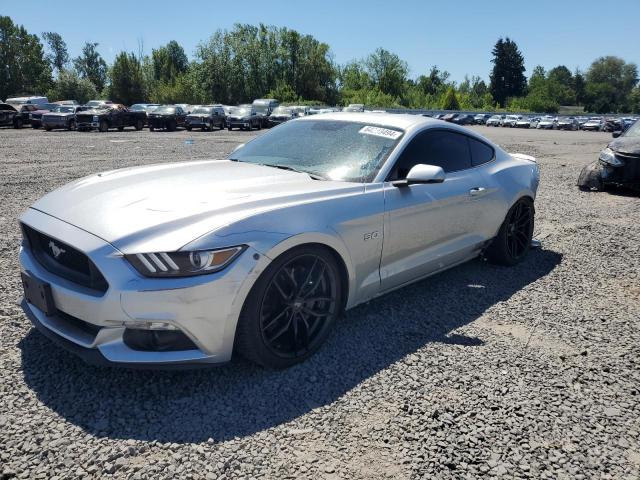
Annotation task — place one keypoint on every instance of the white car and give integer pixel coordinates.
(511, 120)
(260, 253)
(494, 121)
(547, 123)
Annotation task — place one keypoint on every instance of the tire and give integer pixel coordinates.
(104, 126)
(513, 242)
(188, 127)
(17, 123)
(259, 125)
(72, 125)
(47, 128)
(277, 327)
(151, 129)
(35, 126)
(120, 129)
(139, 125)
(230, 128)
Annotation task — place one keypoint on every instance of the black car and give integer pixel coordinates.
(168, 117)
(35, 117)
(463, 119)
(450, 117)
(109, 116)
(206, 117)
(280, 115)
(9, 116)
(244, 117)
(618, 164)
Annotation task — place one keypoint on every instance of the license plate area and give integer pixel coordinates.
(38, 293)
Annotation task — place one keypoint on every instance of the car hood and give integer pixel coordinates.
(59, 114)
(164, 207)
(626, 145)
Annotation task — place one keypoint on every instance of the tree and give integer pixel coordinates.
(23, 67)
(435, 83)
(69, 86)
(91, 65)
(450, 100)
(58, 56)
(127, 80)
(579, 86)
(169, 62)
(507, 76)
(609, 83)
(387, 71)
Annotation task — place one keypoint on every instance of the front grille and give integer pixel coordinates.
(631, 169)
(84, 118)
(70, 263)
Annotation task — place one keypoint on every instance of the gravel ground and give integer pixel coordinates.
(528, 372)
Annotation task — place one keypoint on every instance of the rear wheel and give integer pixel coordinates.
(513, 241)
(139, 124)
(47, 128)
(120, 128)
(291, 308)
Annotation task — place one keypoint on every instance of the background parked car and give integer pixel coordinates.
(62, 116)
(481, 118)
(613, 125)
(494, 121)
(144, 107)
(35, 117)
(97, 103)
(264, 107)
(463, 119)
(243, 117)
(547, 123)
(568, 124)
(168, 117)
(9, 116)
(33, 100)
(594, 124)
(510, 120)
(524, 122)
(280, 115)
(206, 117)
(109, 116)
(354, 107)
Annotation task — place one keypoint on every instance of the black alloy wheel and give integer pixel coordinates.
(513, 242)
(292, 308)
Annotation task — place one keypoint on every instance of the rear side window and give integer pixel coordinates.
(443, 148)
(480, 152)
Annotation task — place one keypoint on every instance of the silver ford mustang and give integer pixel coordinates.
(185, 263)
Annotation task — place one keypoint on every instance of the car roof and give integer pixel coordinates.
(403, 121)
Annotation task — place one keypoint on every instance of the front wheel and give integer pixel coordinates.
(291, 309)
(513, 241)
(104, 126)
(17, 123)
(72, 125)
(139, 125)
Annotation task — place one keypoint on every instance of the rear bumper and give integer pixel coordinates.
(205, 309)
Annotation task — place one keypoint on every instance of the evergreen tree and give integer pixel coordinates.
(507, 76)
(127, 80)
(450, 100)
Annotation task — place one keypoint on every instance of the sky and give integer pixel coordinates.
(457, 36)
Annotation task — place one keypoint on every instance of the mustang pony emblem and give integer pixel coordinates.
(55, 249)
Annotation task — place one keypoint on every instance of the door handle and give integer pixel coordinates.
(477, 191)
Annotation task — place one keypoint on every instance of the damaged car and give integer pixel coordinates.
(617, 165)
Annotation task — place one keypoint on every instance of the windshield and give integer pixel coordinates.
(63, 109)
(240, 111)
(138, 107)
(165, 110)
(282, 111)
(203, 110)
(335, 150)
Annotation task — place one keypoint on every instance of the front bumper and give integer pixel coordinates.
(204, 308)
(55, 123)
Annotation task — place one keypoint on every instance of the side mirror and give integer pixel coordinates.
(616, 134)
(421, 174)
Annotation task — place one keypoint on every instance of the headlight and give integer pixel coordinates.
(95, 118)
(183, 264)
(609, 157)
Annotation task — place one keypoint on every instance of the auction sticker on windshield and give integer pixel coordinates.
(380, 132)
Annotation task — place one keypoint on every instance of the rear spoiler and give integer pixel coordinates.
(522, 156)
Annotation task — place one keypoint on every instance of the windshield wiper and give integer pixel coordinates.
(314, 176)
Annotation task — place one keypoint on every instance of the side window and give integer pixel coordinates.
(179, 110)
(480, 152)
(443, 148)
